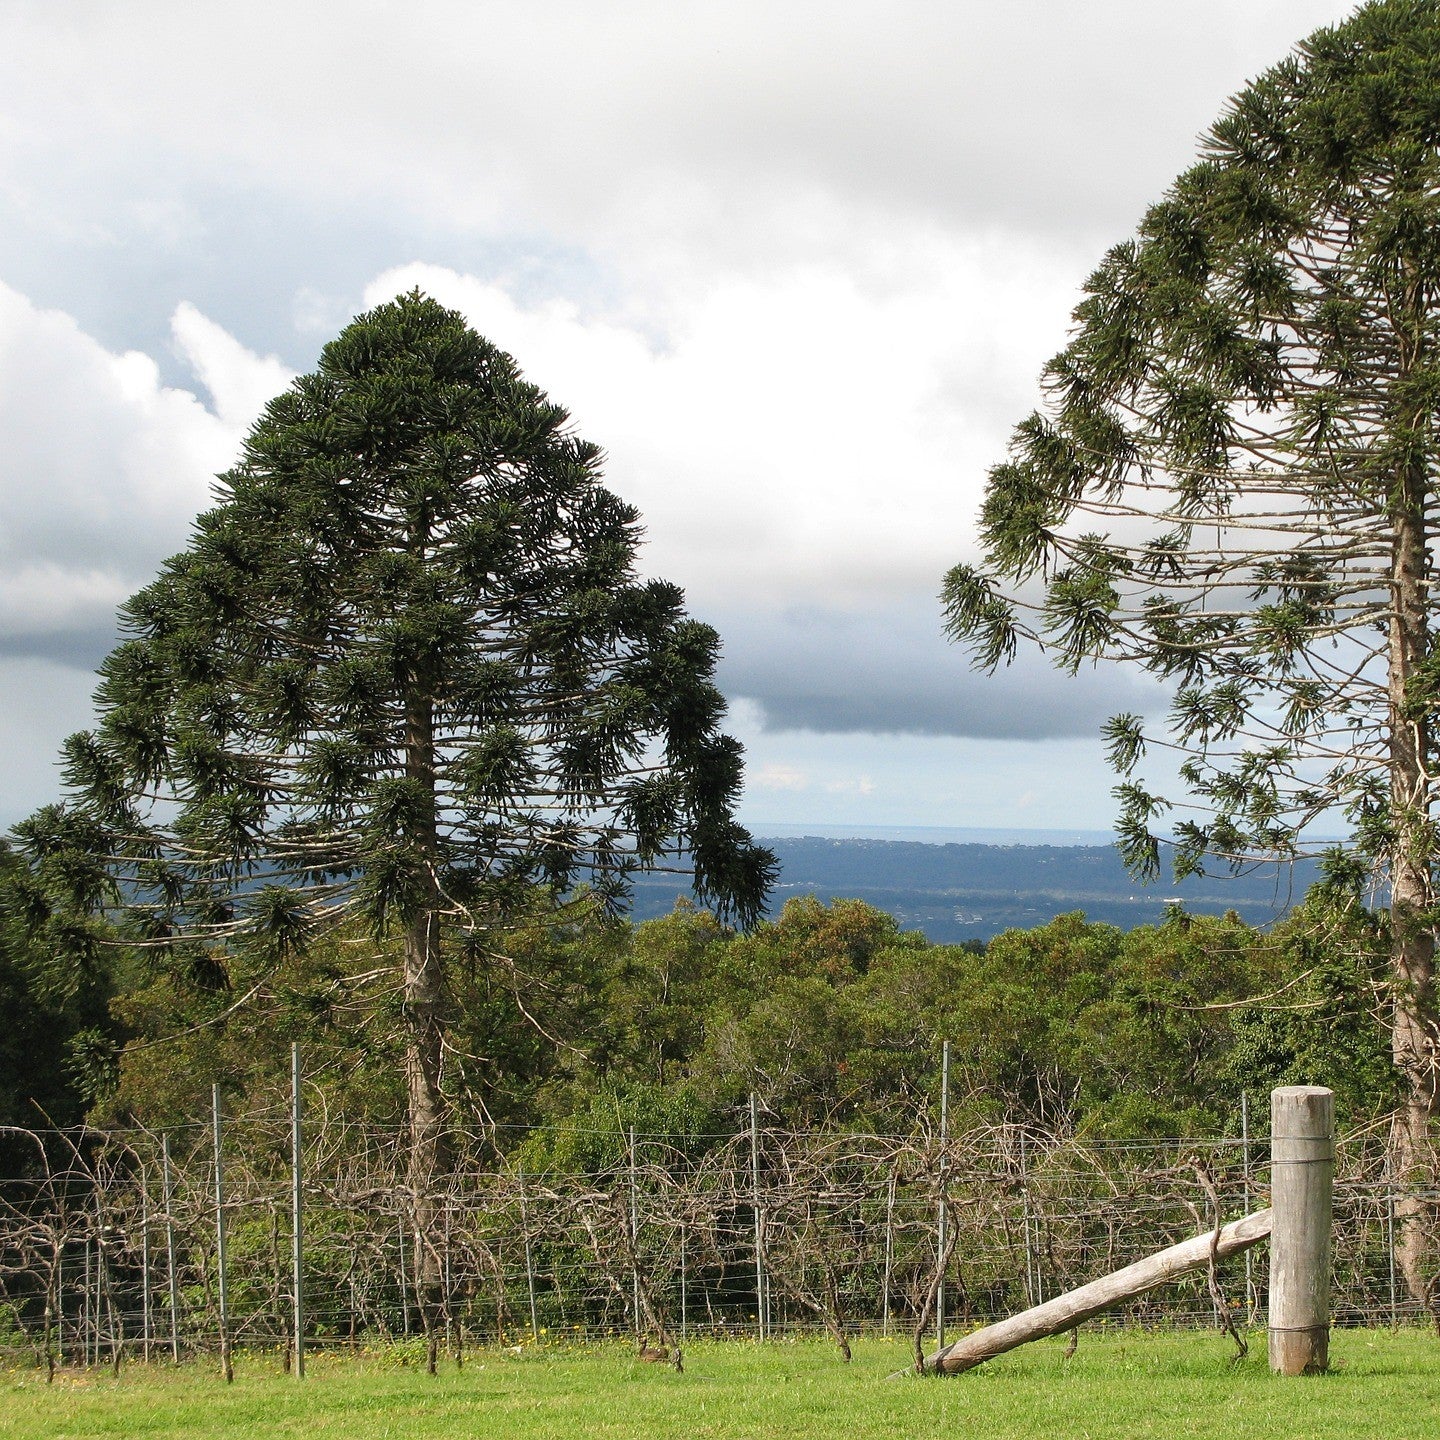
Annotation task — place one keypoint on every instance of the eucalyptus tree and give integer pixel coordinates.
(404, 674)
(1233, 485)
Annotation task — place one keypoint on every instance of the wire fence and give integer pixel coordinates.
(116, 1243)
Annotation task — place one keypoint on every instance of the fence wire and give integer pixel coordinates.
(108, 1239)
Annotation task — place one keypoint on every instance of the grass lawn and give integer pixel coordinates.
(1117, 1384)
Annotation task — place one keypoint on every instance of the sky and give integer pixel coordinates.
(795, 266)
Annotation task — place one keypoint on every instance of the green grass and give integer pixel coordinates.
(1118, 1384)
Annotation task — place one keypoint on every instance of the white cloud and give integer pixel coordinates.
(104, 467)
(239, 381)
(803, 440)
(647, 130)
(777, 777)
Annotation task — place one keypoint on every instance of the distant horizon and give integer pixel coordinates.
(968, 834)
(934, 834)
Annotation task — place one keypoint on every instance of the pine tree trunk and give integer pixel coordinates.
(1413, 1032)
(428, 1162)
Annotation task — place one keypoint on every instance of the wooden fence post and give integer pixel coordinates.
(1302, 1160)
(1074, 1307)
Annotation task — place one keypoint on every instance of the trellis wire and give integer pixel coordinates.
(842, 1232)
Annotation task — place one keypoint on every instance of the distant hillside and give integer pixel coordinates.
(965, 891)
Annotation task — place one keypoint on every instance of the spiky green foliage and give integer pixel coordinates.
(405, 669)
(1248, 411)
(1236, 462)
(56, 1042)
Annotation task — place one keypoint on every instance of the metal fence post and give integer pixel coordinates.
(60, 1293)
(1252, 1298)
(297, 1231)
(942, 1219)
(172, 1276)
(889, 1255)
(1390, 1240)
(634, 1239)
(760, 1326)
(222, 1278)
(684, 1286)
(1032, 1271)
(145, 1327)
(445, 1271)
(529, 1260)
(85, 1326)
(404, 1278)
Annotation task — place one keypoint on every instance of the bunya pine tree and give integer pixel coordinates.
(405, 676)
(1233, 485)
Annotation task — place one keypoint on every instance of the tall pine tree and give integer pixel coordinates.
(1234, 485)
(404, 672)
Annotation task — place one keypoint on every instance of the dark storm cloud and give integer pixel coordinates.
(81, 647)
(891, 672)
